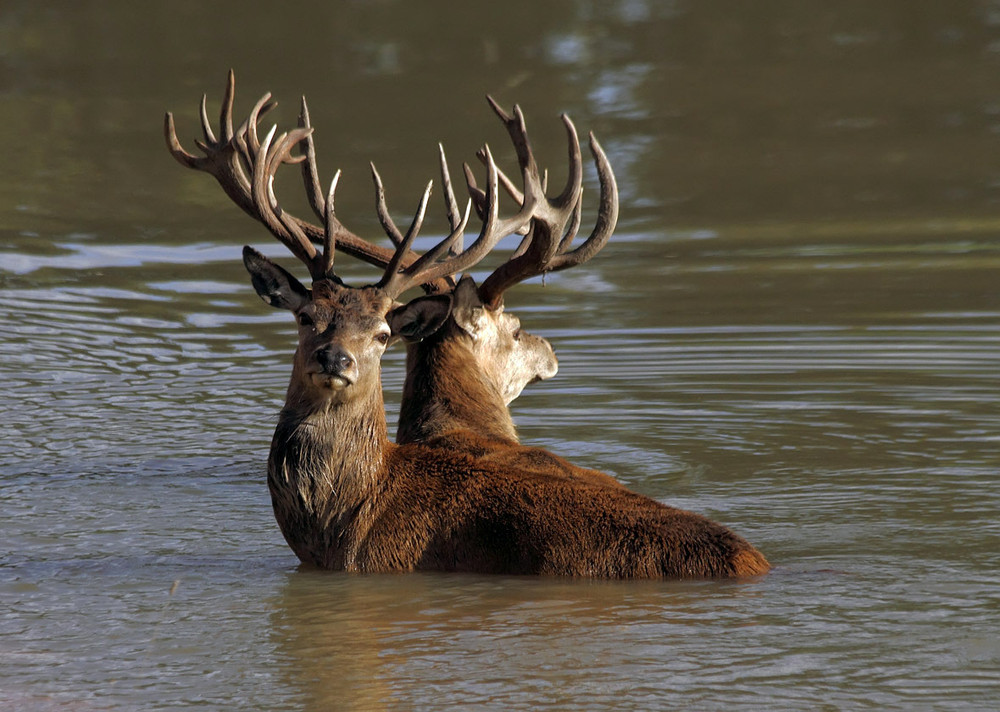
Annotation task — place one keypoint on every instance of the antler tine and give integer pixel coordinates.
(518, 132)
(607, 215)
(265, 163)
(330, 223)
(574, 181)
(534, 188)
(310, 172)
(206, 124)
(174, 145)
(383, 210)
(451, 205)
(247, 131)
(226, 110)
(225, 114)
(557, 220)
(574, 225)
(394, 282)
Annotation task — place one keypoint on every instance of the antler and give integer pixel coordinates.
(556, 221)
(429, 266)
(245, 167)
(227, 159)
(222, 159)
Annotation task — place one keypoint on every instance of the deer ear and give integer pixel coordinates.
(273, 283)
(468, 307)
(420, 317)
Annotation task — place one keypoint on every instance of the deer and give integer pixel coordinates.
(460, 381)
(347, 498)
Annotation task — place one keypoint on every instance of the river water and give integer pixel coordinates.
(795, 331)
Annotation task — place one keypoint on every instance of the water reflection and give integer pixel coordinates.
(388, 642)
(423, 641)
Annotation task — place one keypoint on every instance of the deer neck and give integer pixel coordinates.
(447, 391)
(326, 457)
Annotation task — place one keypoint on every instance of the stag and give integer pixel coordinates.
(460, 380)
(346, 497)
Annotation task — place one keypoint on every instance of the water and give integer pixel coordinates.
(796, 331)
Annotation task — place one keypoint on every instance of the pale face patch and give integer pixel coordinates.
(511, 357)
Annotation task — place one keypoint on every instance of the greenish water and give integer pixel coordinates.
(796, 331)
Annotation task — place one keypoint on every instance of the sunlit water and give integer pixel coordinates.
(817, 368)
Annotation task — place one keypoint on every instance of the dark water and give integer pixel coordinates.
(796, 330)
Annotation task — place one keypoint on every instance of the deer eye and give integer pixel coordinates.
(382, 337)
(305, 320)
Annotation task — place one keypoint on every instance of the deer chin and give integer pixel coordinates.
(331, 381)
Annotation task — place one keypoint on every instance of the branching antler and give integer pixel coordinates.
(546, 247)
(222, 158)
(228, 159)
(245, 167)
(430, 265)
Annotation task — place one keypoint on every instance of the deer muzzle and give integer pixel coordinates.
(337, 367)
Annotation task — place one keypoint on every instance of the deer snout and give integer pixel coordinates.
(337, 362)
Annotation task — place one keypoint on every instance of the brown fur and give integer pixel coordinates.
(413, 507)
(446, 390)
(449, 401)
(347, 498)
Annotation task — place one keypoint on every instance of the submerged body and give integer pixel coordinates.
(347, 498)
(415, 507)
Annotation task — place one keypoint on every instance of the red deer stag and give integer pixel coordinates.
(347, 498)
(460, 381)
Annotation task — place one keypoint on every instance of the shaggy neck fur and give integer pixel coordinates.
(445, 391)
(323, 470)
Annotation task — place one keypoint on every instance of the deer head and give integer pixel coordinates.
(342, 331)
(546, 247)
(246, 166)
(502, 349)
(510, 357)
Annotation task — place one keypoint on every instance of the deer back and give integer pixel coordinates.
(453, 512)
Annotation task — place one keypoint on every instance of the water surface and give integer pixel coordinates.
(795, 331)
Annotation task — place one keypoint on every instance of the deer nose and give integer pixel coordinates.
(335, 361)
